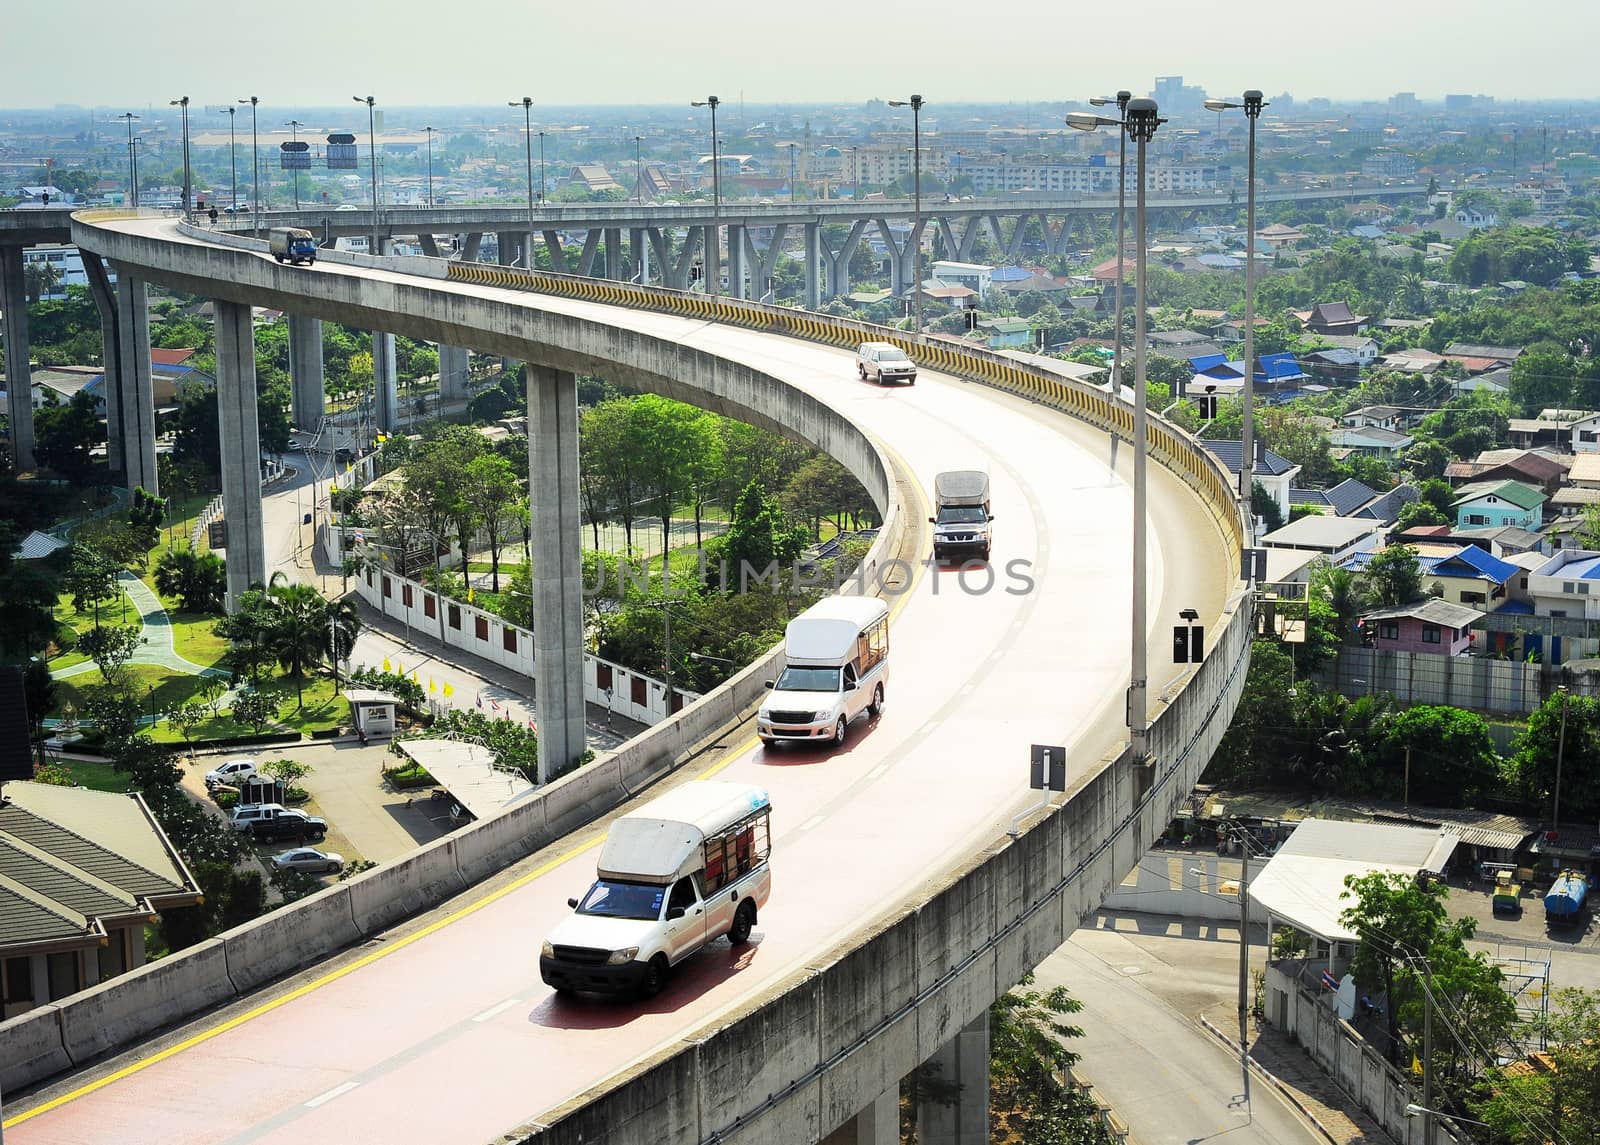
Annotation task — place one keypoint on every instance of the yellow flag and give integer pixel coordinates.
(1416, 1065)
(414, 679)
(430, 685)
(348, 467)
(386, 666)
(448, 691)
(469, 594)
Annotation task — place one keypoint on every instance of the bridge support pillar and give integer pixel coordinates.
(877, 1124)
(557, 531)
(138, 404)
(737, 287)
(639, 246)
(963, 1061)
(241, 449)
(105, 301)
(813, 266)
(307, 398)
(453, 372)
(614, 261)
(385, 378)
(429, 244)
(470, 242)
(509, 244)
(19, 374)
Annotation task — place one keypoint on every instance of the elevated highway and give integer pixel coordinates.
(901, 907)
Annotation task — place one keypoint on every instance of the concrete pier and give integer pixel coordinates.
(963, 1062)
(241, 449)
(19, 373)
(307, 399)
(138, 420)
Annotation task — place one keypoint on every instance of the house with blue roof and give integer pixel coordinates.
(1272, 370)
(1273, 473)
(1469, 576)
(1567, 585)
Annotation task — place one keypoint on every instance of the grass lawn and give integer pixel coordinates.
(170, 688)
(69, 619)
(98, 776)
(195, 638)
(323, 707)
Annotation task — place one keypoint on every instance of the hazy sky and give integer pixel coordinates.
(299, 53)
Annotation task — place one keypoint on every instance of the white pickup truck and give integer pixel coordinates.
(674, 875)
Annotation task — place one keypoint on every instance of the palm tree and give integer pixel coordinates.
(40, 279)
(343, 624)
(306, 626)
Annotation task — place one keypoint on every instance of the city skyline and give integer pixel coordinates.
(613, 53)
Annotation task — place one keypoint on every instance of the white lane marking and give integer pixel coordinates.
(811, 822)
(877, 771)
(492, 1011)
(336, 1091)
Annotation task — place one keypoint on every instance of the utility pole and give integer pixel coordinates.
(1561, 750)
(1244, 955)
(1427, 1054)
(294, 126)
(1408, 792)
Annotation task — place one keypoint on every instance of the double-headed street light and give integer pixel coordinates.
(1139, 121)
(915, 104)
(372, 163)
(430, 131)
(183, 103)
(714, 247)
(255, 167)
(526, 103)
(638, 169)
(294, 126)
(133, 171)
(1121, 100)
(233, 162)
(1251, 103)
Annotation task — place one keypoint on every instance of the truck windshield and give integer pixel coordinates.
(623, 900)
(892, 356)
(961, 515)
(808, 680)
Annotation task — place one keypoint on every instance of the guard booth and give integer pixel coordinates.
(374, 711)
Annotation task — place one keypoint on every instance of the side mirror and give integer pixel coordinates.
(674, 912)
(991, 516)
(770, 683)
(933, 520)
(573, 903)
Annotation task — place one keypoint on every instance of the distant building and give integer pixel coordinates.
(974, 276)
(1430, 625)
(1491, 504)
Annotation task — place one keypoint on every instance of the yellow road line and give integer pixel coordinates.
(733, 755)
(309, 987)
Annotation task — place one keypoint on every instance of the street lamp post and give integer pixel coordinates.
(526, 103)
(714, 247)
(1121, 100)
(429, 130)
(136, 143)
(255, 167)
(1561, 751)
(233, 162)
(1252, 103)
(915, 103)
(294, 126)
(793, 148)
(372, 163)
(638, 169)
(133, 171)
(1139, 122)
(182, 102)
(541, 169)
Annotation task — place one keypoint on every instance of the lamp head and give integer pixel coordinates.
(1142, 119)
(1253, 103)
(252, 100)
(1089, 121)
(1221, 105)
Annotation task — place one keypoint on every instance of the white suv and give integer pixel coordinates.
(244, 818)
(885, 362)
(234, 772)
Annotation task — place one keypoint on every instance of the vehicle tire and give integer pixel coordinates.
(655, 976)
(743, 920)
(986, 553)
(838, 733)
(331, 869)
(862, 371)
(876, 707)
(766, 741)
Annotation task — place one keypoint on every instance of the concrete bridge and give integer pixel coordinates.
(902, 905)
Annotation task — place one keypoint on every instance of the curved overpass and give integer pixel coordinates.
(900, 909)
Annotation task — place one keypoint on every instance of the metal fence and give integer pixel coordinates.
(1512, 687)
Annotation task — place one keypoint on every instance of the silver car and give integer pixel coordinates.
(310, 860)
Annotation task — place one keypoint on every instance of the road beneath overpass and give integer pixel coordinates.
(442, 1030)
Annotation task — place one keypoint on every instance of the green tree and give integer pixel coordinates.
(1541, 743)
(1533, 1107)
(1542, 377)
(1394, 577)
(145, 515)
(1395, 918)
(254, 708)
(1265, 506)
(491, 491)
(91, 580)
(759, 536)
(1028, 1053)
(1448, 752)
(110, 647)
(198, 579)
(186, 719)
(63, 436)
(1427, 458)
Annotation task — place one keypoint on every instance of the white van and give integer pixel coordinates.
(884, 362)
(677, 873)
(836, 666)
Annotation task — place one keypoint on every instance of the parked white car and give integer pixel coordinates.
(233, 773)
(309, 859)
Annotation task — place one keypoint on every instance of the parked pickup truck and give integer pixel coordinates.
(885, 362)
